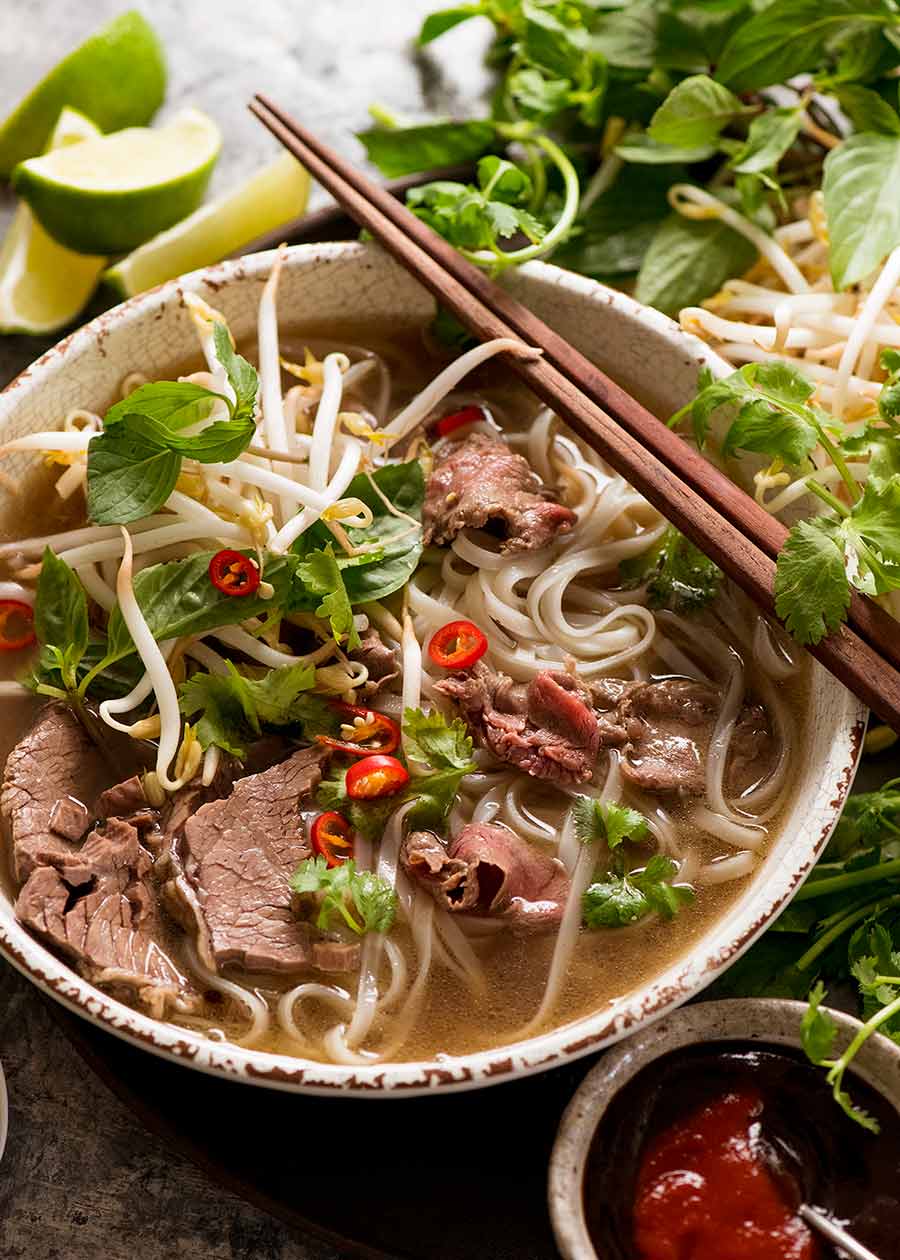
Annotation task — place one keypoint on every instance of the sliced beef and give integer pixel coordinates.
(670, 725)
(336, 955)
(239, 853)
(382, 662)
(125, 798)
(546, 727)
(97, 907)
(490, 870)
(49, 773)
(478, 481)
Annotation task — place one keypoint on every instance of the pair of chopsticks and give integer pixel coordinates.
(699, 500)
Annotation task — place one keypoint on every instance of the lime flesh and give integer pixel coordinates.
(109, 195)
(117, 77)
(43, 285)
(273, 195)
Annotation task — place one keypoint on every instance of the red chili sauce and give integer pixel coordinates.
(705, 1180)
(708, 1152)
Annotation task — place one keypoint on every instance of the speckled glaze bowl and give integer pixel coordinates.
(650, 356)
(766, 1021)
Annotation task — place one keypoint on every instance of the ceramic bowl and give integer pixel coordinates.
(650, 356)
(764, 1020)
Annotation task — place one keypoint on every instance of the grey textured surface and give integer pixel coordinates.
(81, 1179)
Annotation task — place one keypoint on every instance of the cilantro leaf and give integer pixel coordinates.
(619, 900)
(677, 574)
(611, 823)
(359, 899)
(817, 1029)
(432, 740)
(474, 218)
(812, 592)
(236, 706)
(321, 576)
(872, 538)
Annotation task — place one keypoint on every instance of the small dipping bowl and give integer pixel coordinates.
(735, 1026)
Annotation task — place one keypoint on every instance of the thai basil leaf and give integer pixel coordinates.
(60, 618)
(867, 110)
(391, 567)
(613, 235)
(646, 150)
(404, 150)
(129, 475)
(176, 404)
(436, 24)
(694, 113)
(242, 376)
(860, 187)
(628, 38)
(688, 260)
(790, 37)
(769, 138)
(177, 598)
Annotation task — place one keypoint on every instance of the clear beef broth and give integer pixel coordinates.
(608, 964)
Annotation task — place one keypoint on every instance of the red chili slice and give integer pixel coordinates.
(233, 573)
(16, 625)
(332, 836)
(376, 733)
(374, 777)
(456, 420)
(457, 645)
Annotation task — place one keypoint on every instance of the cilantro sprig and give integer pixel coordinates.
(610, 823)
(677, 575)
(618, 900)
(844, 924)
(358, 899)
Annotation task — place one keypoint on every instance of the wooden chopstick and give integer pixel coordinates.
(655, 467)
(872, 622)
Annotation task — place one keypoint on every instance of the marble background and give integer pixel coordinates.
(81, 1179)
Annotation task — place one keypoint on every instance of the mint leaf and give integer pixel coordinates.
(812, 592)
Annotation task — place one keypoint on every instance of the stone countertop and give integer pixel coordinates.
(81, 1178)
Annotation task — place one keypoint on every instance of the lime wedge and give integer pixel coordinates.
(273, 195)
(108, 195)
(44, 286)
(117, 77)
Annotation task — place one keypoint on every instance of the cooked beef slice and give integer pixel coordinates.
(69, 818)
(478, 481)
(382, 662)
(490, 870)
(56, 761)
(669, 726)
(336, 955)
(546, 727)
(239, 854)
(127, 797)
(97, 907)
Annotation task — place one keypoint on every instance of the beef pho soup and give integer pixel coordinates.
(372, 717)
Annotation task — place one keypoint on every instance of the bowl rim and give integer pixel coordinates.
(772, 1021)
(675, 985)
